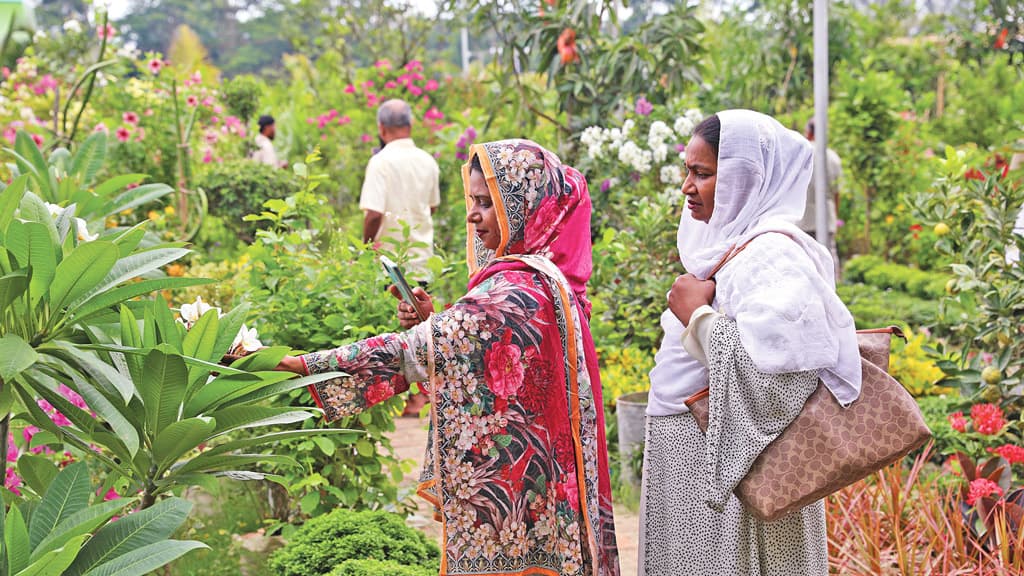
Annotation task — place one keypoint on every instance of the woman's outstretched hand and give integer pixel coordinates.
(291, 364)
(407, 317)
(689, 293)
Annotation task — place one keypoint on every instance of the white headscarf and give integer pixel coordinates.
(781, 288)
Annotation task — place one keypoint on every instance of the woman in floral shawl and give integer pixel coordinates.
(516, 462)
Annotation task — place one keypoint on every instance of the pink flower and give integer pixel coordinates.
(101, 127)
(415, 90)
(366, 138)
(344, 120)
(123, 134)
(350, 89)
(107, 32)
(987, 418)
(207, 101)
(643, 107)
(28, 432)
(72, 396)
(982, 488)
(192, 101)
(383, 63)
(957, 421)
(155, 65)
(368, 84)
(130, 117)
(208, 156)
(379, 392)
(10, 134)
(414, 66)
(332, 114)
(12, 481)
(140, 134)
(568, 492)
(504, 367)
(12, 449)
(38, 139)
(431, 85)
(148, 112)
(390, 84)
(111, 495)
(1013, 454)
(433, 114)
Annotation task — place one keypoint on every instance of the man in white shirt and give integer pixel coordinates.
(401, 188)
(264, 142)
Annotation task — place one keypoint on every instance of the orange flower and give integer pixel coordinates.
(1001, 40)
(567, 46)
(175, 270)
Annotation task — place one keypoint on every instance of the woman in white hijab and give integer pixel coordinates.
(769, 325)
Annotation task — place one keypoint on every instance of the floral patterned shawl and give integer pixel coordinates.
(516, 464)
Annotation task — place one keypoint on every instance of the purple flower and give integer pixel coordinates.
(461, 156)
(461, 143)
(643, 107)
(471, 133)
(680, 147)
(840, 223)
(606, 185)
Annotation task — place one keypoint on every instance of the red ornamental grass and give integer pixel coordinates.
(987, 418)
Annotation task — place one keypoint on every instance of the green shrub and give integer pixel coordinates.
(240, 187)
(325, 543)
(242, 96)
(873, 307)
(936, 410)
(380, 568)
(881, 274)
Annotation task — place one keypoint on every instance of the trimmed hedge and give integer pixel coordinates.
(877, 272)
(326, 544)
(873, 308)
(237, 188)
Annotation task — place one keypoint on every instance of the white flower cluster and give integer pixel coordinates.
(634, 156)
(660, 140)
(247, 340)
(72, 27)
(81, 226)
(671, 174)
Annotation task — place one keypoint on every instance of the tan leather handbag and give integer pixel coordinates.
(828, 447)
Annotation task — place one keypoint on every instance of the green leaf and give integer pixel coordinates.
(112, 414)
(36, 471)
(130, 534)
(163, 389)
(238, 417)
(30, 159)
(214, 394)
(10, 199)
(16, 541)
(116, 184)
(281, 388)
(342, 436)
(179, 438)
(91, 366)
(33, 209)
(230, 324)
(102, 301)
(364, 447)
(30, 244)
(54, 562)
(130, 199)
(170, 330)
(67, 495)
(132, 266)
(207, 463)
(88, 160)
(147, 559)
(15, 357)
(200, 340)
(82, 523)
(12, 286)
(80, 271)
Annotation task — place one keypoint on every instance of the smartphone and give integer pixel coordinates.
(398, 279)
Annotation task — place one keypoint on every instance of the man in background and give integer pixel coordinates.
(402, 187)
(833, 171)
(265, 152)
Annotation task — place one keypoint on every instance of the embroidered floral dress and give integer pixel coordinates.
(516, 462)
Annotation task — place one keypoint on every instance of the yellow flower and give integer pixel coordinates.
(153, 215)
(169, 210)
(126, 212)
(890, 219)
(111, 223)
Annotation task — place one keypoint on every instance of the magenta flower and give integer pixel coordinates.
(38, 139)
(415, 90)
(130, 118)
(208, 156)
(350, 89)
(414, 66)
(111, 495)
(433, 114)
(108, 32)
(606, 185)
(12, 481)
(368, 84)
(12, 449)
(382, 63)
(390, 85)
(192, 101)
(155, 65)
(366, 138)
(344, 120)
(123, 134)
(431, 85)
(643, 107)
(504, 367)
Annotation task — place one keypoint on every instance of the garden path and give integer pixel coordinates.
(409, 440)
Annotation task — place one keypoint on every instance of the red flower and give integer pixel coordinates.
(974, 174)
(504, 367)
(123, 134)
(916, 227)
(957, 421)
(987, 418)
(1013, 454)
(980, 488)
(567, 46)
(130, 117)
(1001, 39)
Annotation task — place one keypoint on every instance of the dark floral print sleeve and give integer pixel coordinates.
(376, 369)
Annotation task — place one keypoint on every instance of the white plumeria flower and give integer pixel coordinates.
(247, 339)
(191, 313)
(83, 231)
(53, 209)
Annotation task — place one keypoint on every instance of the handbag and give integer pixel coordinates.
(828, 447)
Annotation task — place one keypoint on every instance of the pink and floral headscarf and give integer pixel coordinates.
(543, 208)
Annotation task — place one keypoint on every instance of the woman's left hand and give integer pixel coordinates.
(689, 293)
